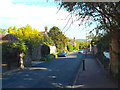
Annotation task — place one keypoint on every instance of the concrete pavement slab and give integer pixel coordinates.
(94, 75)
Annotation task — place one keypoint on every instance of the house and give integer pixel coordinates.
(1, 36)
(8, 37)
(72, 41)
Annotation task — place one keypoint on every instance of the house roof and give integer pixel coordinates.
(2, 35)
(8, 37)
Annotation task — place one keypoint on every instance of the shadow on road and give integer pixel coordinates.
(58, 73)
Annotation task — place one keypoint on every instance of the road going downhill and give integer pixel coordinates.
(58, 73)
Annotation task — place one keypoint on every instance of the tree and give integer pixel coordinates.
(91, 36)
(76, 47)
(58, 38)
(70, 47)
(28, 34)
(103, 42)
(47, 40)
(82, 45)
(2, 31)
(108, 16)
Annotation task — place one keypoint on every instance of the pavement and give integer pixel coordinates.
(94, 75)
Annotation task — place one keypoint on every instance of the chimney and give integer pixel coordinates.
(74, 39)
(46, 29)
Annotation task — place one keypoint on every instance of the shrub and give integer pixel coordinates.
(45, 50)
(13, 47)
(47, 57)
(20, 46)
(43, 59)
(11, 50)
(76, 47)
(29, 44)
(69, 47)
(50, 57)
(55, 55)
(8, 51)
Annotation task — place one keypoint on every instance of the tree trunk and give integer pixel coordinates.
(114, 51)
(21, 61)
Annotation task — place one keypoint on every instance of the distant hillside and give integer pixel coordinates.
(81, 40)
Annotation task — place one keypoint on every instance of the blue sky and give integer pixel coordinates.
(38, 14)
(42, 3)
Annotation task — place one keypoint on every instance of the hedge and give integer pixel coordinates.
(69, 47)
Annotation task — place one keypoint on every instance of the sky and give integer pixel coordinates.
(38, 14)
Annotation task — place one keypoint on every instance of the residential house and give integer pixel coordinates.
(72, 41)
(8, 37)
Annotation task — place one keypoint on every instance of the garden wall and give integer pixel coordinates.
(36, 54)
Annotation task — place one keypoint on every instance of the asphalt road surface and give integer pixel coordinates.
(57, 73)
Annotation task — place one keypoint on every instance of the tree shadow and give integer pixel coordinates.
(57, 73)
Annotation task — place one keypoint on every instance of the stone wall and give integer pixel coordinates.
(36, 54)
(27, 60)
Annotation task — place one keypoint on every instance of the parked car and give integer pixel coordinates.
(62, 53)
(80, 51)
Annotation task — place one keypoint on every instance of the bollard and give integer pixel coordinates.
(83, 64)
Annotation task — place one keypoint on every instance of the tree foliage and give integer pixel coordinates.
(102, 42)
(47, 40)
(3, 31)
(76, 47)
(58, 37)
(24, 32)
(27, 34)
(107, 14)
(12, 49)
(84, 44)
(70, 47)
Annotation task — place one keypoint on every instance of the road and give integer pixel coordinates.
(57, 73)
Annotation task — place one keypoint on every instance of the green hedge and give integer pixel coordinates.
(76, 47)
(11, 49)
(50, 57)
(69, 47)
(55, 55)
(47, 57)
